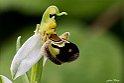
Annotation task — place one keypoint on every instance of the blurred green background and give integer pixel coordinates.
(96, 26)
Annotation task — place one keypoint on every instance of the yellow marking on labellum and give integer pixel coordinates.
(54, 51)
(60, 44)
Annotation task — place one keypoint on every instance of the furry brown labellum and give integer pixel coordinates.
(59, 50)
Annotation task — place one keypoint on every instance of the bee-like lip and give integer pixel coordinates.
(49, 55)
(64, 55)
(74, 57)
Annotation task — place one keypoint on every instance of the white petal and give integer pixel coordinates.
(27, 56)
(4, 79)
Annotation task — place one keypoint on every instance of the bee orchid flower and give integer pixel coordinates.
(44, 43)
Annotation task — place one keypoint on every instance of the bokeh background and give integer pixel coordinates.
(96, 26)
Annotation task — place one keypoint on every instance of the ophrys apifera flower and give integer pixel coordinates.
(44, 43)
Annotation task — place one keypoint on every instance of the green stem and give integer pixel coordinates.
(25, 78)
(36, 72)
(18, 45)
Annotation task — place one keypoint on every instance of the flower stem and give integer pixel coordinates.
(36, 72)
(25, 78)
(18, 45)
